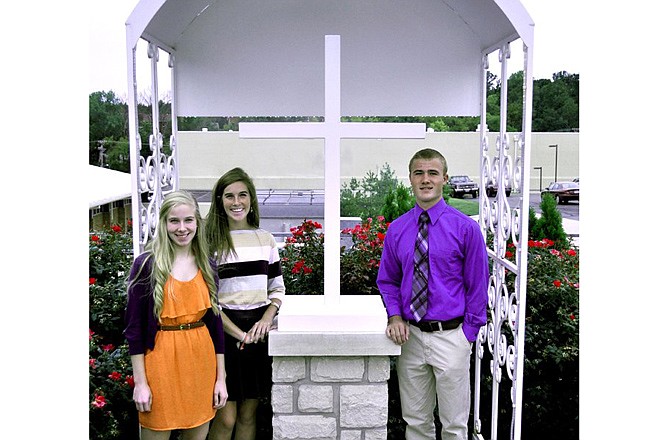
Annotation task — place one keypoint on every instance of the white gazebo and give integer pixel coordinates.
(334, 58)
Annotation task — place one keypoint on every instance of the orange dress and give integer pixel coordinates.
(181, 369)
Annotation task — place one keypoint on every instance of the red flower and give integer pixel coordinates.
(572, 252)
(130, 380)
(91, 281)
(557, 283)
(509, 254)
(381, 235)
(554, 252)
(297, 267)
(115, 375)
(307, 270)
(99, 401)
(95, 238)
(90, 334)
(572, 316)
(116, 228)
(108, 347)
(92, 363)
(130, 223)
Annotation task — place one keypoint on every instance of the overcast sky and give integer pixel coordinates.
(557, 45)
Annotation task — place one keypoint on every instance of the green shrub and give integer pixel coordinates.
(397, 202)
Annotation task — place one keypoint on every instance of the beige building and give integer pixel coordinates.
(299, 163)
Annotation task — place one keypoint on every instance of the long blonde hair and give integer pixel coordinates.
(162, 249)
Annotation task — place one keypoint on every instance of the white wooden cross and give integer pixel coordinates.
(332, 130)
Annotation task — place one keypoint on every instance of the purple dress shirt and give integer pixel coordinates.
(459, 269)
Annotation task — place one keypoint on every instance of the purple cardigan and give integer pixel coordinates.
(141, 324)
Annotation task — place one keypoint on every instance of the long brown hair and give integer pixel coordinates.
(217, 228)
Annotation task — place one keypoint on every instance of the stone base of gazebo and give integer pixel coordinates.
(331, 384)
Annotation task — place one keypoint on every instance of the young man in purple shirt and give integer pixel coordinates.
(436, 347)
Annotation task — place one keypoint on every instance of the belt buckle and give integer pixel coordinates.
(439, 325)
(184, 326)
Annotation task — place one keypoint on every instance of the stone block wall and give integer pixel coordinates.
(330, 397)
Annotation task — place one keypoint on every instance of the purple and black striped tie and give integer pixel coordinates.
(419, 303)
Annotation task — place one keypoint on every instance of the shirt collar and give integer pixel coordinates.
(434, 211)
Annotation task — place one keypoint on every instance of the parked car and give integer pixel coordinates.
(563, 191)
(492, 190)
(461, 185)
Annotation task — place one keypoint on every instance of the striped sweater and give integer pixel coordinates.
(251, 276)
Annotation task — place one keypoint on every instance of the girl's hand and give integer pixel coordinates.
(220, 394)
(259, 330)
(142, 397)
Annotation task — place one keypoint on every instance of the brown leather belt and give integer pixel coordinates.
(188, 326)
(436, 326)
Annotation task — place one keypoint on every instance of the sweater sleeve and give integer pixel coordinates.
(137, 303)
(215, 326)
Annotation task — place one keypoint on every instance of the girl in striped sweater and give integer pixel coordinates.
(251, 289)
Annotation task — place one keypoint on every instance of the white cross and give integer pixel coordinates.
(332, 130)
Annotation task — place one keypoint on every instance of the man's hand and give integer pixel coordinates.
(397, 330)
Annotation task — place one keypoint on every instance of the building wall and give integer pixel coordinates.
(118, 212)
(299, 164)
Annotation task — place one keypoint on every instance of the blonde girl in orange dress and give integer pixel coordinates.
(173, 326)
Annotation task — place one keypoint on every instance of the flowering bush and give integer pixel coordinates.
(359, 264)
(551, 345)
(302, 258)
(551, 375)
(112, 413)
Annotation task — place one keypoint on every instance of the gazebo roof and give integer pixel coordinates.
(265, 58)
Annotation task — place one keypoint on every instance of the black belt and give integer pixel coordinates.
(188, 326)
(437, 326)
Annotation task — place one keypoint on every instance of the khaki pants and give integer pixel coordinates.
(435, 364)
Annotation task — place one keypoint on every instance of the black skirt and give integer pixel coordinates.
(248, 371)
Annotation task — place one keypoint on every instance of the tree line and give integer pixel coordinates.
(555, 108)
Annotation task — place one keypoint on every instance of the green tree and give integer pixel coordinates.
(555, 102)
(550, 225)
(107, 122)
(365, 198)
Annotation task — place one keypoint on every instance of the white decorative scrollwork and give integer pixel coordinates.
(157, 173)
(500, 342)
